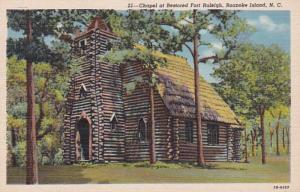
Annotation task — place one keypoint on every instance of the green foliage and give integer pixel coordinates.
(225, 25)
(58, 158)
(20, 153)
(256, 80)
(51, 85)
(278, 115)
(49, 151)
(273, 113)
(148, 59)
(17, 123)
(256, 76)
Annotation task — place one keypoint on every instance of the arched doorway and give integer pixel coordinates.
(83, 140)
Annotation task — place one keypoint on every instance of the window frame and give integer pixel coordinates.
(82, 42)
(189, 131)
(82, 91)
(113, 122)
(145, 138)
(213, 135)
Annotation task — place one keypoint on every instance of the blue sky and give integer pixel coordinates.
(272, 27)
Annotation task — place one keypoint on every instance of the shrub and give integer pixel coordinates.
(20, 152)
(58, 157)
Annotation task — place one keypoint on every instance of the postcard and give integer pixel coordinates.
(149, 96)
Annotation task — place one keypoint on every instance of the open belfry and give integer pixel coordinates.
(106, 122)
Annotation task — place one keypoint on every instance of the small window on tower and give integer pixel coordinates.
(82, 44)
(113, 121)
(83, 91)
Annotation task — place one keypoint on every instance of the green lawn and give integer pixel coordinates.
(276, 170)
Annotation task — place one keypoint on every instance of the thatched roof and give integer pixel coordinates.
(176, 87)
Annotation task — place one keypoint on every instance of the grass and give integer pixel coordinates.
(276, 170)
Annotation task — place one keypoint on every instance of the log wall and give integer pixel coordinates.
(106, 95)
(98, 102)
(188, 151)
(137, 106)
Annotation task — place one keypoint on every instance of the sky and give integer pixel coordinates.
(272, 27)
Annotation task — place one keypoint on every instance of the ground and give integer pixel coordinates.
(276, 170)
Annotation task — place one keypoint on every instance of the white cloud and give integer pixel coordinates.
(266, 23)
(207, 53)
(203, 31)
(210, 27)
(217, 46)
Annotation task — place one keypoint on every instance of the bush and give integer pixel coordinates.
(20, 152)
(58, 158)
(46, 160)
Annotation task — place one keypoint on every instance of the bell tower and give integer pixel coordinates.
(92, 100)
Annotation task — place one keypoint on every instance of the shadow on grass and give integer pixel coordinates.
(180, 165)
(215, 166)
(50, 175)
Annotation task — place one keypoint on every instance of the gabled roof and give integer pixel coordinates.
(176, 87)
(96, 23)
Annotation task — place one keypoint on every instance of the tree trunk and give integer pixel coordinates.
(253, 142)
(283, 141)
(31, 155)
(277, 143)
(152, 126)
(13, 145)
(277, 134)
(287, 139)
(271, 135)
(262, 126)
(200, 154)
(271, 138)
(246, 147)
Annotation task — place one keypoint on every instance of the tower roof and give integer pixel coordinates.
(96, 23)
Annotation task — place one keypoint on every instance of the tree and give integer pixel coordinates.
(257, 78)
(224, 25)
(51, 85)
(35, 25)
(278, 118)
(287, 132)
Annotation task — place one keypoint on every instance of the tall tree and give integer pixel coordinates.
(256, 77)
(35, 26)
(226, 26)
(51, 84)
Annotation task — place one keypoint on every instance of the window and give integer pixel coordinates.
(113, 121)
(82, 91)
(212, 134)
(142, 130)
(189, 131)
(82, 44)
